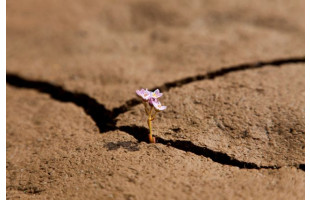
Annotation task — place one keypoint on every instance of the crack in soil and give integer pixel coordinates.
(101, 116)
(141, 134)
(209, 75)
(106, 119)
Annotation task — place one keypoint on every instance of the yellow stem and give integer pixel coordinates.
(149, 122)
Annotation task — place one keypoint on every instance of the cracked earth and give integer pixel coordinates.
(233, 80)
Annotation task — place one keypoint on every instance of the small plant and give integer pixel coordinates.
(152, 106)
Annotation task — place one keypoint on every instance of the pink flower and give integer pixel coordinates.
(144, 94)
(157, 105)
(156, 94)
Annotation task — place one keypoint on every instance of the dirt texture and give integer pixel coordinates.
(233, 78)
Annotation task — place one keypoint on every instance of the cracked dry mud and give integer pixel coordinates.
(233, 76)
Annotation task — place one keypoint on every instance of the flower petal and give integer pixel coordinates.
(156, 94)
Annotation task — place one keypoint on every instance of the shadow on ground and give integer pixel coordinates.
(106, 119)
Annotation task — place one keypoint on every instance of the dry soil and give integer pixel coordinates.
(232, 73)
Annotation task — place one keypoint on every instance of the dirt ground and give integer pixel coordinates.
(233, 77)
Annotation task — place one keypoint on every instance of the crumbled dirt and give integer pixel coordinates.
(233, 78)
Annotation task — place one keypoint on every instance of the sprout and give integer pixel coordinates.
(152, 106)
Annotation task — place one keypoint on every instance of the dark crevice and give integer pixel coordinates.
(141, 134)
(106, 119)
(102, 117)
(302, 167)
(209, 75)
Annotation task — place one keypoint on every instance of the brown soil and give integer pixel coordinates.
(233, 78)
